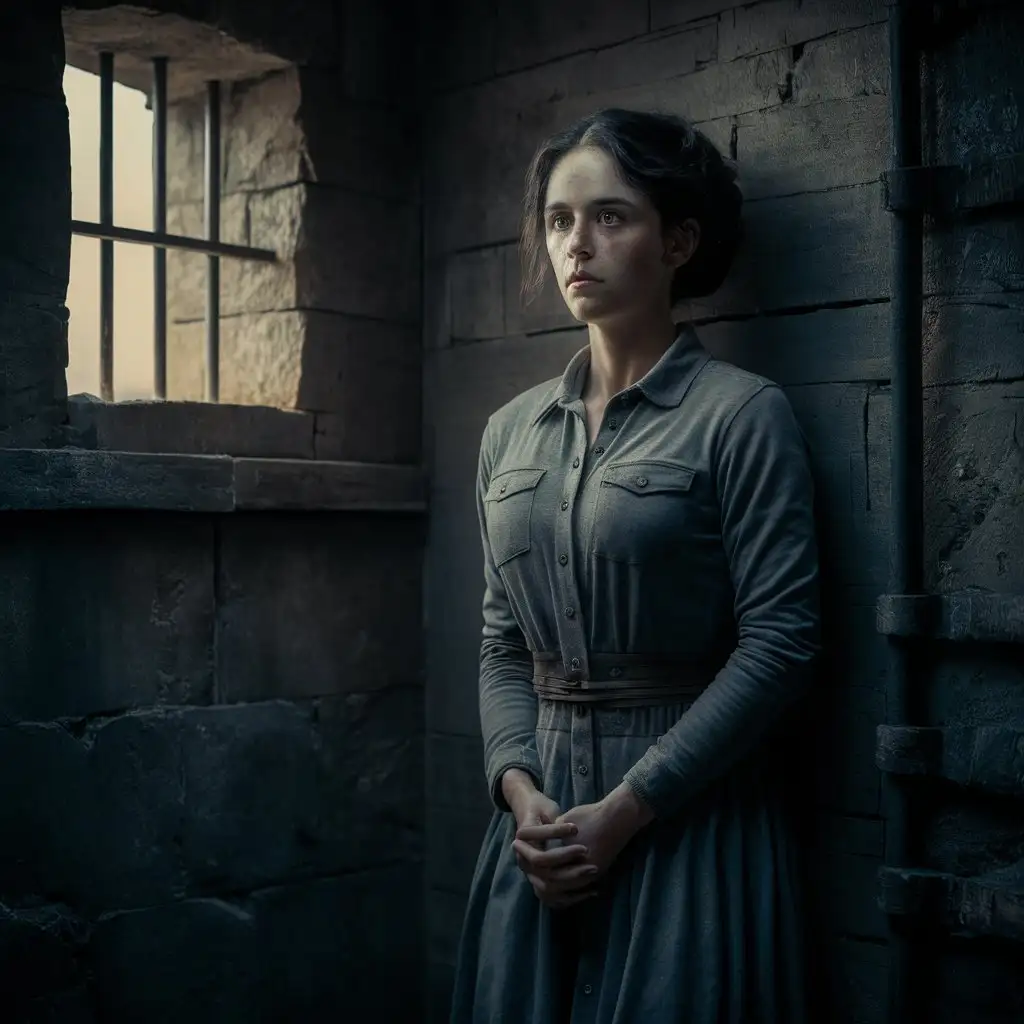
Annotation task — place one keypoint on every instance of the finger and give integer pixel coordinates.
(578, 876)
(542, 833)
(547, 859)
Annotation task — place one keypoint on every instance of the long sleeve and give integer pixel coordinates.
(508, 704)
(765, 492)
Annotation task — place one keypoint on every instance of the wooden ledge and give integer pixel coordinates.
(73, 478)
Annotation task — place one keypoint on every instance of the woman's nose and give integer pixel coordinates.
(579, 242)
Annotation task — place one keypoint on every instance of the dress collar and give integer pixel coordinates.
(665, 384)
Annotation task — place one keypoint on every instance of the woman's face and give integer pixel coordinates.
(605, 240)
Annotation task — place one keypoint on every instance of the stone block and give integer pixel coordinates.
(33, 354)
(843, 873)
(968, 339)
(104, 612)
(311, 608)
(39, 949)
(305, 485)
(46, 817)
(974, 468)
(807, 348)
(75, 479)
(477, 288)
(454, 836)
(807, 250)
(380, 56)
(232, 798)
(35, 218)
(667, 13)
(980, 257)
(455, 772)
(811, 148)
(302, 359)
(536, 32)
(350, 946)
(757, 28)
(193, 428)
(195, 960)
(974, 112)
(31, 51)
(142, 799)
(461, 38)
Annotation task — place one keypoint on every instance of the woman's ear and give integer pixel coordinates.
(681, 243)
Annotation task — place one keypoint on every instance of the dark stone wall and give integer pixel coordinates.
(798, 93)
(211, 720)
(212, 744)
(35, 217)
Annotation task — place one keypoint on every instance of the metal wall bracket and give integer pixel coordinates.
(988, 758)
(989, 905)
(987, 618)
(946, 189)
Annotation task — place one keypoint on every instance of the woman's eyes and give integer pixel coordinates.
(563, 222)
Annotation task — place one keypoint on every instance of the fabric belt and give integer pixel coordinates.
(622, 680)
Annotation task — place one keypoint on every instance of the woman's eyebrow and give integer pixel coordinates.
(606, 201)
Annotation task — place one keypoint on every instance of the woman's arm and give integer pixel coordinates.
(508, 704)
(766, 494)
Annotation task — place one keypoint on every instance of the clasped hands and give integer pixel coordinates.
(564, 855)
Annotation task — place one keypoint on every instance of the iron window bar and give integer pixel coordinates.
(159, 239)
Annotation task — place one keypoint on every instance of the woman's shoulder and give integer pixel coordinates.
(525, 409)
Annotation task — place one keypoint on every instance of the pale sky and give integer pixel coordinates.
(133, 264)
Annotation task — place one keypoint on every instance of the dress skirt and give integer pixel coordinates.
(697, 922)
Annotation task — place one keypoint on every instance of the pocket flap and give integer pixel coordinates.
(649, 477)
(512, 481)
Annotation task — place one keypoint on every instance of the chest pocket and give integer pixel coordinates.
(508, 509)
(645, 510)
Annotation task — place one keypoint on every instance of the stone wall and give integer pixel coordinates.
(213, 752)
(35, 217)
(326, 173)
(798, 93)
(211, 700)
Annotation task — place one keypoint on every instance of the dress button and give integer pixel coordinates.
(575, 463)
(582, 769)
(575, 664)
(641, 481)
(615, 672)
(612, 424)
(565, 505)
(503, 488)
(570, 612)
(563, 559)
(587, 989)
(599, 450)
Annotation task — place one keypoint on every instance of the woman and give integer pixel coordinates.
(650, 613)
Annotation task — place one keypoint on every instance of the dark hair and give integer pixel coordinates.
(664, 157)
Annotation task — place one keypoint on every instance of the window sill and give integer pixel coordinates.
(75, 478)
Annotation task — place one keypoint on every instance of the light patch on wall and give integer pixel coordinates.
(133, 264)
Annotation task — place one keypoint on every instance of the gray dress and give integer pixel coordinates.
(685, 530)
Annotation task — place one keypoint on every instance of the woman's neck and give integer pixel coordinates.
(621, 354)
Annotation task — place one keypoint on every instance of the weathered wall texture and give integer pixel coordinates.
(35, 217)
(325, 171)
(798, 93)
(212, 754)
(211, 733)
